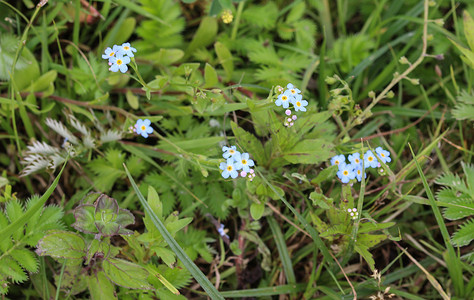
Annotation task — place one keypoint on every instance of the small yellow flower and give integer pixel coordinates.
(227, 16)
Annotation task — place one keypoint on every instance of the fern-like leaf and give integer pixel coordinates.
(464, 208)
(26, 259)
(453, 181)
(464, 235)
(464, 109)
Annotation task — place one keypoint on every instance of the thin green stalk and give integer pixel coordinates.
(58, 288)
(240, 8)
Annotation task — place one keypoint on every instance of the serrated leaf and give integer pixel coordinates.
(363, 250)
(62, 244)
(464, 235)
(26, 259)
(166, 255)
(126, 274)
(11, 269)
(296, 12)
(463, 208)
(250, 143)
(463, 112)
(369, 226)
(310, 152)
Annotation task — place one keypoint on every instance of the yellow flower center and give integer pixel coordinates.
(383, 155)
(126, 48)
(345, 172)
(119, 62)
(112, 54)
(370, 158)
(358, 172)
(298, 103)
(293, 91)
(357, 160)
(284, 98)
(231, 151)
(336, 162)
(229, 168)
(143, 127)
(244, 162)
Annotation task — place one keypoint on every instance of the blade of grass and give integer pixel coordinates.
(268, 291)
(282, 250)
(187, 262)
(6, 232)
(453, 262)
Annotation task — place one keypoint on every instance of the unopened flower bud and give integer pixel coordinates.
(371, 94)
(330, 80)
(439, 22)
(390, 95)
(403, 60)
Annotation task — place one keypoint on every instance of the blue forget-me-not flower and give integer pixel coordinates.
(338, 159)
(228, 169)
(143, 127)
(383, 155)
(370, 160)
(119, 63)
(346, 172)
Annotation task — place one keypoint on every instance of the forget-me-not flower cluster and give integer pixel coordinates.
(353, 169)
(119, 57)
(236, 162)
(291, 95)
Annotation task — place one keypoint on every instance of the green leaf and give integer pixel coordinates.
(164, 57)
(468, 29)
(126, 274)
(469, 55)
(187, 262)
(256, 210)
(225, 58)
(363, 250)
(132, 99)
(210, 76)
(320, 200)
(464, 235)
(310, 152)
(369, 226)
(328, 173)
(62, 244)
(43, 82)
(296, 13)
(166, 255)
(26, 259)
(100, 287)
(204, 36)
(155, 202)
(250, 143)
